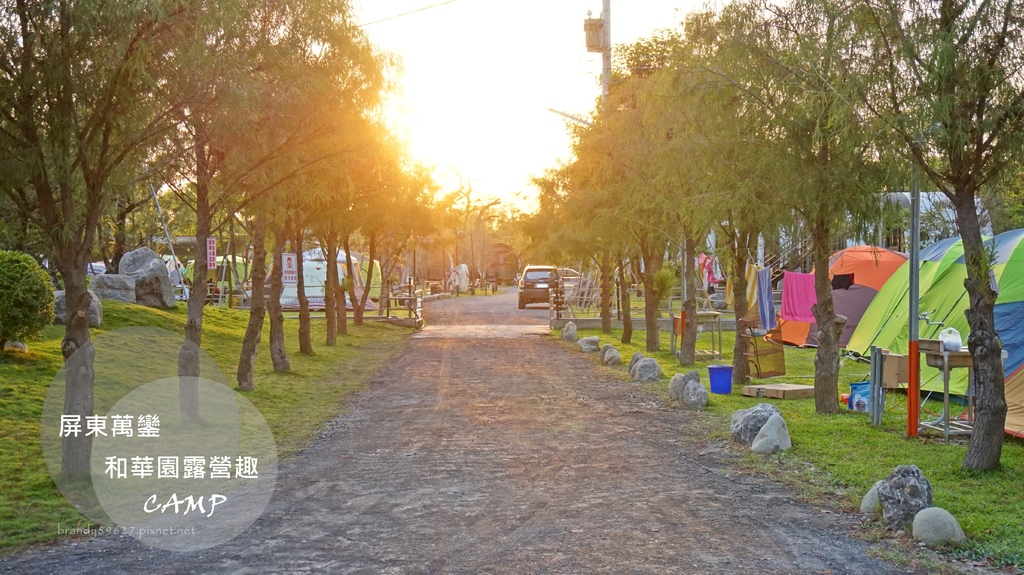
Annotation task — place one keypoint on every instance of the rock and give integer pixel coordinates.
(60, 309)
(569, 332)
(15, 346)
(695, 395)
(589, 344)
(746, 423)
(903, 494)
(936, 526)
(115, 287)
(773, 436)
(136, 260)
(646, 369)
(153, 285)
(604, 350)
(869, 505)
(678, 382)
(632, 361)
(612, 357)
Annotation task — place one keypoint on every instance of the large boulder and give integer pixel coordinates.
(632, 361)
(905, 492)
(646, 369)
(773, 436)
(153, 285)
(115, 287)
(135, 260)
(612, 357)
(589, 344)
(695, 395)
(679, 381)
(15, 346)
(569, 332)
(60, 309)
(936, 526)
(746, 423)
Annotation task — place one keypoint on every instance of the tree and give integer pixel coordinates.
(946, 79)
(75, 109)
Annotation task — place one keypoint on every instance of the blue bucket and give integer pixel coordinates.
(721, 379)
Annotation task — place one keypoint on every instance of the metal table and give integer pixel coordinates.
(946, 361)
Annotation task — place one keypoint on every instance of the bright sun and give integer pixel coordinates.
(478, 81)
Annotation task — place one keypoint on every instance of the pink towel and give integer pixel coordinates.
(798, 297)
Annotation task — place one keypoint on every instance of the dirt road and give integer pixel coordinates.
(489, 449)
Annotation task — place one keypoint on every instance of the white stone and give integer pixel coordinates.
(569, 332)
(589, 344)
(936, 526)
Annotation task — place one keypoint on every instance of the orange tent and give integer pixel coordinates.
(871, 267)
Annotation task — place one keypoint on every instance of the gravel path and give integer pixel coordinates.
(493, 450)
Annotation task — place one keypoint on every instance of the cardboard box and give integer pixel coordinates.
(895, 371)
(779, 390)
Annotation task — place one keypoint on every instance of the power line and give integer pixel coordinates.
(406, 13)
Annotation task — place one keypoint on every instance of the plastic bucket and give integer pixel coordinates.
(721, 379)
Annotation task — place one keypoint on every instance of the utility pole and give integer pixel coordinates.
(606, 54)
(599, 39)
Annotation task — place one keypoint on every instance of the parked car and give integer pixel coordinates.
(535, 284)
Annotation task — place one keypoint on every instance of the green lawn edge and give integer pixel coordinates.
(838, 458)
(295, 404)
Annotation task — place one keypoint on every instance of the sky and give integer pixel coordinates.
(478, 78)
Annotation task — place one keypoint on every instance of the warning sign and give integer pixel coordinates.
(211, 253)
(289, 267)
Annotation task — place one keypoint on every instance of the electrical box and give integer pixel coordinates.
(594, 28)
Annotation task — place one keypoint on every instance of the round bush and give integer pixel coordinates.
(26, 297)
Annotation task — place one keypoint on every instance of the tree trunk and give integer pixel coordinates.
(826, 359)
(76, 451)
(361, 308)
(986, 444)
(350, 280)
(624, 287)
(188, 357)
(305, 333)
(332, 305)
(606, 291)
(245, 376)
(124, 207)
(278, 354)
(688, 342)
(740, 304)
(652, 257)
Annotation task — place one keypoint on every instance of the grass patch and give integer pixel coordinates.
(839, 457)
(295, 404)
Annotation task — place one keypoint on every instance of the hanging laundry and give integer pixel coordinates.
(798, 296)
(765, 302)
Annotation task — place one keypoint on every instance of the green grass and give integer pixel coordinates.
(839, 457)
(295, 405)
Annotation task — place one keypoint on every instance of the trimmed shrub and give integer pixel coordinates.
(26, 297)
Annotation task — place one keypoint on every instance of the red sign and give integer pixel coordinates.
(289, 269)
(211, 253)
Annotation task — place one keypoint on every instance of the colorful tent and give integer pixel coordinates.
(943, 295)
(870, 268)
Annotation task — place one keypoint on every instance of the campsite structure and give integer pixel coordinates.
(858, 274)
(944, 299)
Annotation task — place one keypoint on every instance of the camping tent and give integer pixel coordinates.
(314, 272)
(871, 267)
(942, 293)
